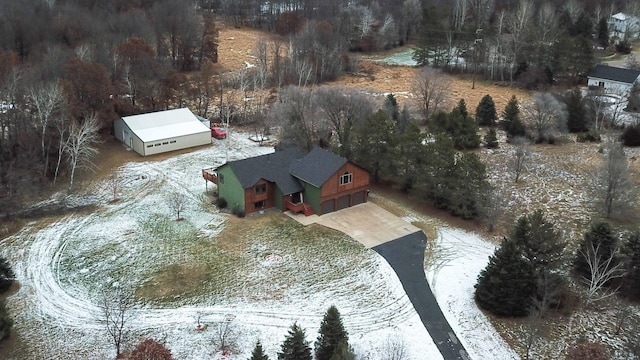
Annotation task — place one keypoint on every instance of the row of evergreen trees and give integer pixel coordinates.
(332, 342)
(427, 165)
(528, 272)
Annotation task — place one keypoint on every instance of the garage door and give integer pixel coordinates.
(327, 206)
(343, 202)
(357, 198)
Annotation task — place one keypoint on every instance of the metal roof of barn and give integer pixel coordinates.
(165, 124)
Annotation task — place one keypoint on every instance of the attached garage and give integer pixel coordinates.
(328, 206)
(162, 131)
(358, 198)
(343, 202)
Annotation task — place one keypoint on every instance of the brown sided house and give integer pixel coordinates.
(319, 182)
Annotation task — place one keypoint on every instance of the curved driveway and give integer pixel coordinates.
(403, 246)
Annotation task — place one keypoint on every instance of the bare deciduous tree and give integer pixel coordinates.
(614, 191)
(601, 271)
(114, 183)
(494, 207)
(46, 100)
(116, 305)
(432, 89)
(177, 202)
(226, 336)
(344, 110)
(394, 348)
(520, 156)
(545, 116)
(80, 145)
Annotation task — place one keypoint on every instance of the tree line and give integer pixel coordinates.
(531, 43)
(70, 68)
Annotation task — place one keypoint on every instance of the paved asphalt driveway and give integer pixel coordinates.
(406, 257)
(403, 246)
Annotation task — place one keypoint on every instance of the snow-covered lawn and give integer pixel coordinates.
(65, 264)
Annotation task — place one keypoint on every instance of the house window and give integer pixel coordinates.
(259, 204)
(149, 146)
(346, 178)
(261, 188)
(221, 178)
(172, 142)
(601, 84)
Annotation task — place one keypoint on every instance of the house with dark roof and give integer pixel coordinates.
(319, 182)
(613, 79)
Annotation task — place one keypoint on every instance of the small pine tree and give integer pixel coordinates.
(462, 107)
(602, 237)
(491, 139)
(631, 252)
(332, 333)
(486, 112)
(258, 353)
(6, 322)
(7, 276)
(295, 345)
(511, 119)
(506, 286)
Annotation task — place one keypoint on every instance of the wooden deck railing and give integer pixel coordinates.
(210, 175)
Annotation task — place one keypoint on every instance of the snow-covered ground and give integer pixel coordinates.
(63, 265)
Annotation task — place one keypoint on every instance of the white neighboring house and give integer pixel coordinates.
(624, 27)
(162, 131)
(613, 79)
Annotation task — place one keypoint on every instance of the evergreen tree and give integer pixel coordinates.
(258, 353)
(583, 27)
(462, 108)
(343, 352)
(7, 276)
(374, 144)
(631, 252)
(467, 186)
(435, 171)
(540, 242)
(486, 112)
(6, 322)
(391, 107)
(331, 334)
(601, 236)
(576, 111)
(295, 345)
(511, 119)
(506, 286)
(603, 33)
(491, 139)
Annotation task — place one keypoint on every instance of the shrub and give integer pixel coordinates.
(7, 276)
(587, 351)
(221, 203)
(241, 213)
(590, 136)
(150, 349)
(623, 47)
(631, 136)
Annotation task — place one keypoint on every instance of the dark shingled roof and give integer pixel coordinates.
(317, 166)
(614, 74)
(272, 167)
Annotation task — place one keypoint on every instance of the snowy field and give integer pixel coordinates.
(64, 264)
